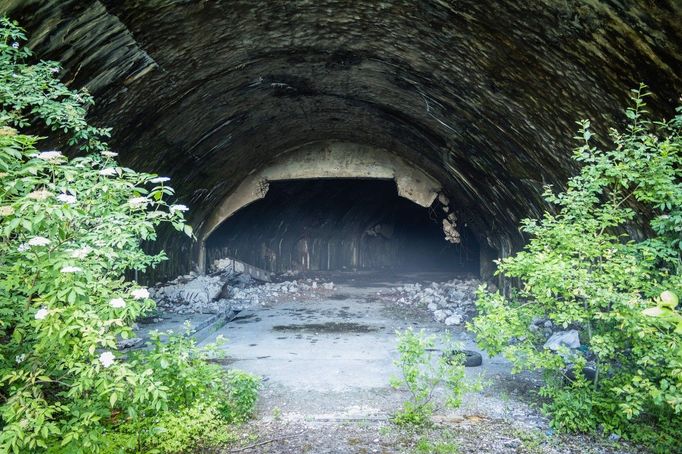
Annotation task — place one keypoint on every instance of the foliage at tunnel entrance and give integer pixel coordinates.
(69, 230)
(581, 271)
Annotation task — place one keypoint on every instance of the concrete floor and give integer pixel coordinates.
(341, 343)
(333, 357)
(326, 365)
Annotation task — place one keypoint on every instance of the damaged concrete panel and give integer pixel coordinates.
(329, 160)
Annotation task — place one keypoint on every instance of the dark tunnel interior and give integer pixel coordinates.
(341, 224)
(483, 97)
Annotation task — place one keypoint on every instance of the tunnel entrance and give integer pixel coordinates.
(340, 224)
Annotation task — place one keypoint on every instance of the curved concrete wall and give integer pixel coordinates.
(482, 96)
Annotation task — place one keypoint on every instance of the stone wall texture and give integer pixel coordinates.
(481, 95)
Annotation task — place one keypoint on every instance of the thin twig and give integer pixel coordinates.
(246, 448)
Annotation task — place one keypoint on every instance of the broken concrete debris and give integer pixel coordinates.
(450, 302)
(569, 339)
(228, 289)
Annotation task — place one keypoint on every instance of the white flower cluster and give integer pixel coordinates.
(35, 241)
(71, 269)
(38, 241)
(138, 202)
(159, 180)
(107, 359)
(117, 303)
(81, 253)
(49, 155)
(42, 313)
(66, 198)
(140, 293)
(40, 194)
(174, 208)
(108, 171)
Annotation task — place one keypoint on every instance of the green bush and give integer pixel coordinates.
(584, 269)
(421, 374)
(426, 446)
(181, 366)
(202, 399)
(69, 231)
(240, 396)
(199, 426)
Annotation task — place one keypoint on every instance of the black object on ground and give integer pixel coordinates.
(470, 358)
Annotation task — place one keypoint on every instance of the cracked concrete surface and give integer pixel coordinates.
(326, 365)
(333, 357)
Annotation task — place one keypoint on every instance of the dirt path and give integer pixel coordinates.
(326, 366)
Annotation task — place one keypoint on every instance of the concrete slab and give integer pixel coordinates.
(331, 345)
(331, 359)
(197, 325)
(343, 343)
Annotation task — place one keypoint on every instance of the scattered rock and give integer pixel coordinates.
(440, 315)
(569, 339)
(129, 343)
(514, 443)
(453, 320)
(227, 288)
(450, 302)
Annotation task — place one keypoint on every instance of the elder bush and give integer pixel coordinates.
(582, 271)
(69, 231)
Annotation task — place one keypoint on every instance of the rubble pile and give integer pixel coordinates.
(227, 289)
(450, 302)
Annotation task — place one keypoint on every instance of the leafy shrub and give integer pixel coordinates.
(69, 231)
(426, 446)
(202, 399)
(183, 368)
(421, 374)
(196, 392)
(180, 365)
(582, 271)
(241, 394)
(193, 428)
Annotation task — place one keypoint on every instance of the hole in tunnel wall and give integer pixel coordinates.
(340, 224)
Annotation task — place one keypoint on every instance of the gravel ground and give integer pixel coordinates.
(470, 435)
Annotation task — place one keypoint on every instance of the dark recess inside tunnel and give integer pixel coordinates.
(341, 224)
(481, 96)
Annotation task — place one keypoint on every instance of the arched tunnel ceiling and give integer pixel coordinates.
(482, 95)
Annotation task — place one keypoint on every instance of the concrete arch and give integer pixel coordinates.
(325, 160)
(483, 96)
